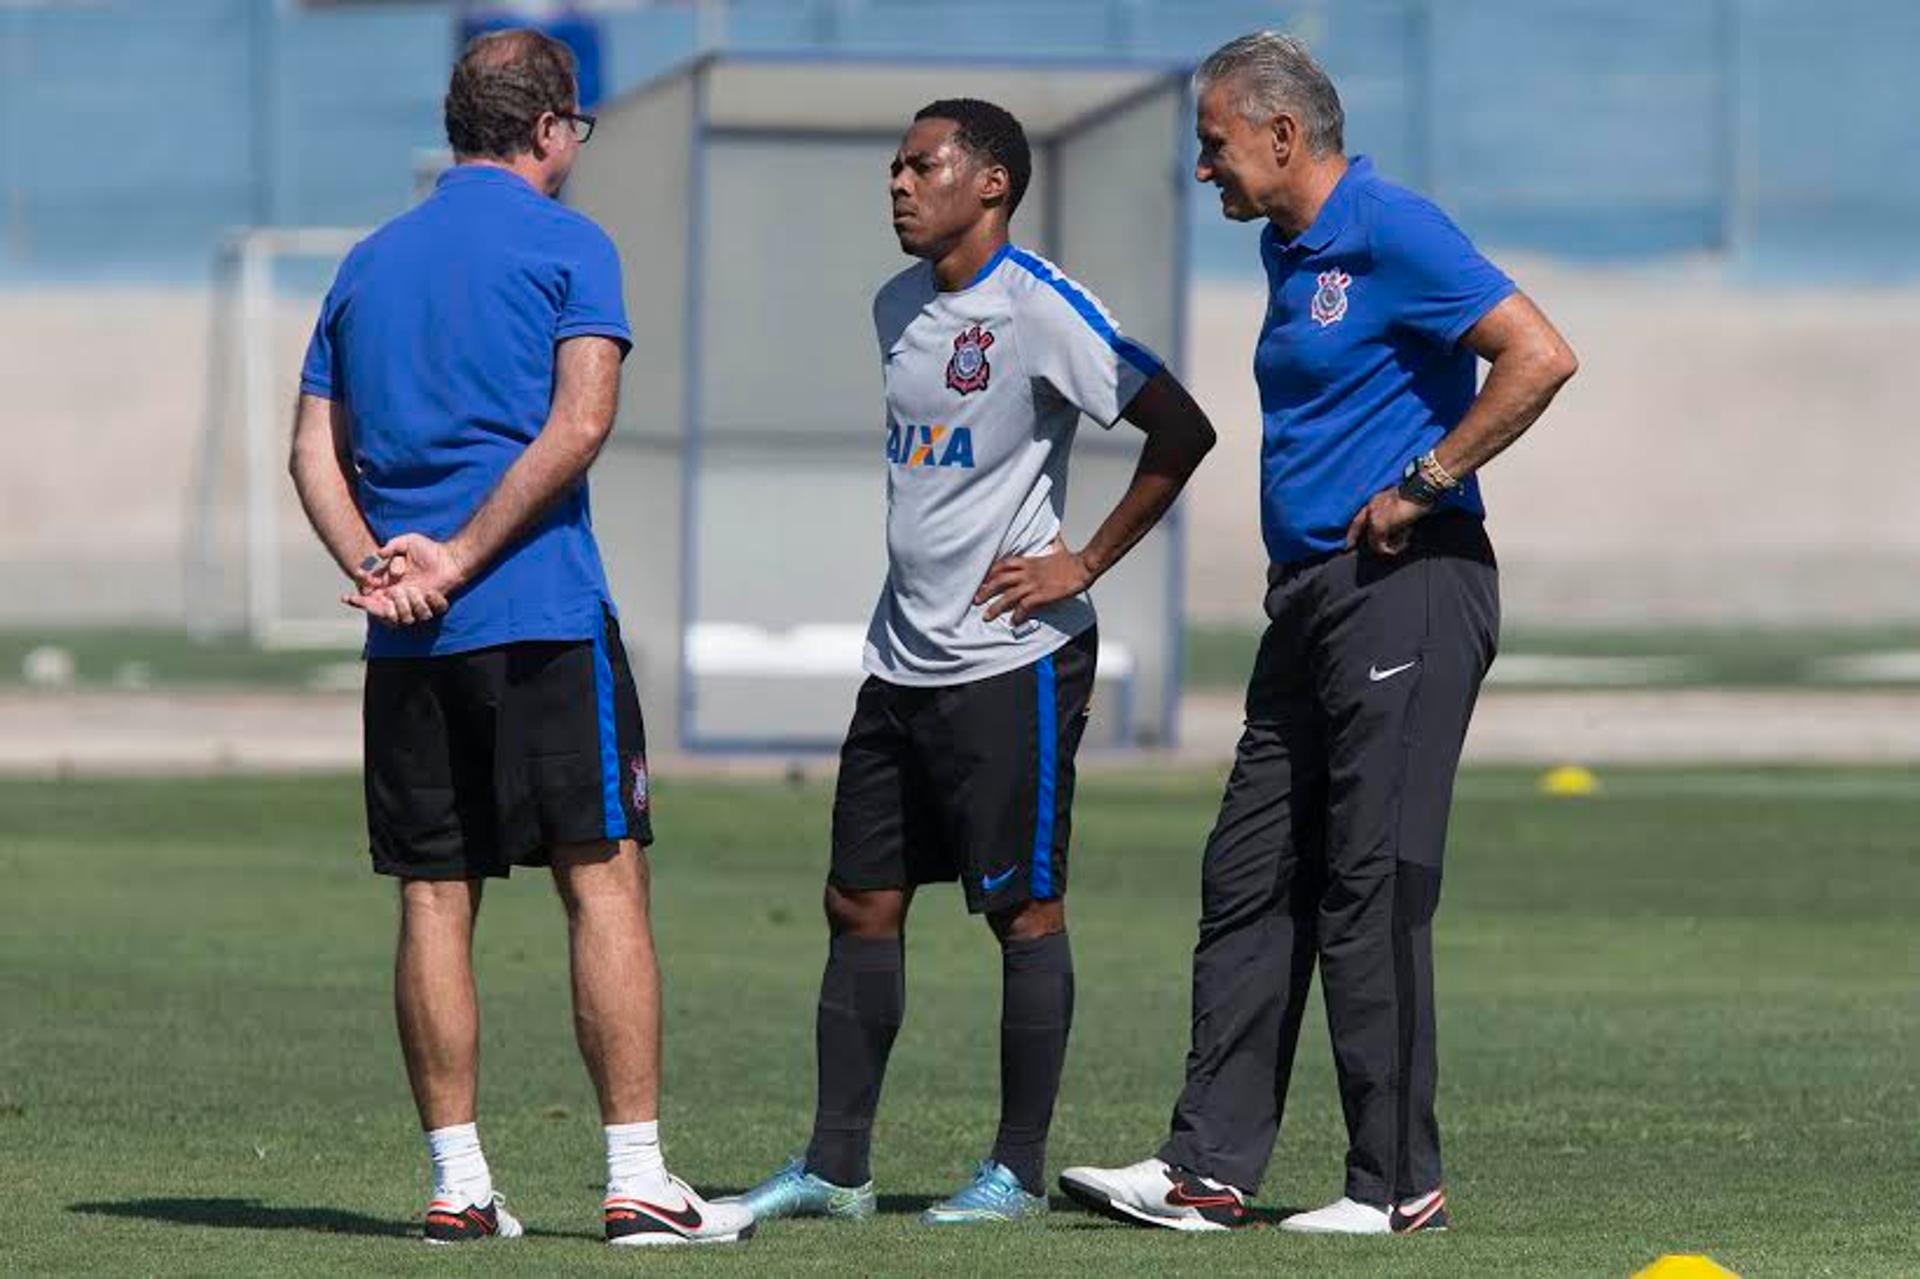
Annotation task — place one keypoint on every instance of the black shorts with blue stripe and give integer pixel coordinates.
(965, 781)
(481, 761)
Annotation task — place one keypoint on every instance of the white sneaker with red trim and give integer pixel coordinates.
(669, 1212)
(1155, 1193)
(1350, 1217)
(453, 1217)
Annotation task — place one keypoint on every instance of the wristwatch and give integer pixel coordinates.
(1417, 486)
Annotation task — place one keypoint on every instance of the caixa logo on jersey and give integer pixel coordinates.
(930, 445)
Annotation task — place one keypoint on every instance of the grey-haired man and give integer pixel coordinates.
(1384, 606)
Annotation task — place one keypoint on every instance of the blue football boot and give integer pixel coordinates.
(994, 1194)
(795, 1192)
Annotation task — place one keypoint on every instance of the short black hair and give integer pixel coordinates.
(504, 82)
(991, 134)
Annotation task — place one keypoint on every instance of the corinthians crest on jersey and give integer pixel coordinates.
(1330, 297)
(968, 370)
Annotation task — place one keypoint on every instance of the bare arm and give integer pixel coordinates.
(1531, 362)
(1178, 436)
(586, 390)
(321, 461)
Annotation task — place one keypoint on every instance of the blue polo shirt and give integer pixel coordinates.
(439, 335)
(1359, 362)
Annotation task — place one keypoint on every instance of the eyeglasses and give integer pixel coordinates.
(581, 124)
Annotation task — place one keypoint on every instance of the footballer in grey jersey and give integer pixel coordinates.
(959, 761)
(985, 387)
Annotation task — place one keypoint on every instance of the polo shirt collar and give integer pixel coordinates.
(1336, 213)
(462, 174)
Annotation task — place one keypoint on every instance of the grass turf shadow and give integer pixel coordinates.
(248, 1214)
(252, 1214)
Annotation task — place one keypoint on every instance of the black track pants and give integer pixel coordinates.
(1328, 848)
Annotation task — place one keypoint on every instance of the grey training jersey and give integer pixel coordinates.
(985, 386)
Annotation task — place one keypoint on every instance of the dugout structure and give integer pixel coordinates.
(741, 502)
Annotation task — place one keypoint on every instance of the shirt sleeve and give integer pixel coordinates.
(1446, 285)
(1070, 342)
(595, 304)
(317, 373)
(881, 338)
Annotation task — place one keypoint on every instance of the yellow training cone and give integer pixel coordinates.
(1685, 1265)
(1569, 779)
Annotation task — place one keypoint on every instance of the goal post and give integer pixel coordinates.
(252, 567)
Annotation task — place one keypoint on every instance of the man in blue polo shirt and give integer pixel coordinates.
(461, 379)
(1384, 606)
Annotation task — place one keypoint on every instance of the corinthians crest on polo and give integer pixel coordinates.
(1330, 297)
(968, 370)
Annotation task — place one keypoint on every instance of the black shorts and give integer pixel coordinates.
(966, 781)
(481, 761)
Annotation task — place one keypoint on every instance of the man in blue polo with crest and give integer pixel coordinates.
(1385, 612)
(959, 762)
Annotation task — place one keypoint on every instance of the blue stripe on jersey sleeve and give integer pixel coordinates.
(1127, 349)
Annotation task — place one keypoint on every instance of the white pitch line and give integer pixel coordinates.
(1520, 669)
(1895, 666)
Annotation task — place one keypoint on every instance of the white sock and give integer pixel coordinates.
(633, 1157)
(459, 1169)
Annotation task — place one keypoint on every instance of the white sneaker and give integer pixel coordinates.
(1155, 1193)
(669, 1212)
(1346, 1217)
(453, 1216)
(1350, 1217)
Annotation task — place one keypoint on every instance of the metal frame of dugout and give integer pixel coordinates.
(740, 502)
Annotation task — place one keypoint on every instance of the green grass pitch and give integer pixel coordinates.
(1681, 1015)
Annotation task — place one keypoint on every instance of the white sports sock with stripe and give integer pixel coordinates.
(459, 1168)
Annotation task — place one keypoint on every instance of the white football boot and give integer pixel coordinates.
(455, 1217)
(671, 1213)
(1155, 1193)
(1350, 1217)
